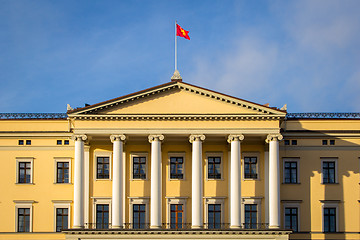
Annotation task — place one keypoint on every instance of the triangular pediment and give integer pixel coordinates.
(176, 98)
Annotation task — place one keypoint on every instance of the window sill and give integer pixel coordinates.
(62, 183)
(102, 179)
(176, 179)
(330, 183)
(251, 179)
(291, 183)
(135, 179)
(25, 183)
(214, 179)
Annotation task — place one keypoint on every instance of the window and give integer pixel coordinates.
(329, 219)
(66, 142)
(139, 214)
(28, 142)
(21, 142)
(214, 167)
(139, 167)
(103, 169)
(324, 142)
(293, 142)
(290, 171)
(176, 167)
(23, 219)
(329, 171)
(62, 218)
(251, 216)
(332, 142)
(24, 172)
(291, 218)
(62, 172)
(214, 216)
(286, 142)
(59, 142)
(176, 216)
(250, 166)
(102, 216)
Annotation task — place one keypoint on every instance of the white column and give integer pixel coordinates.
(117, 183)
(155, 203)
(266, 180)
(79, 181)
(197, 191)
(86, 185)
(274, 180)
(235, 180)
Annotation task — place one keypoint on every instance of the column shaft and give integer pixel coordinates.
(274, 184)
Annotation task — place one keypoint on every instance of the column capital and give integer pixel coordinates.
(273, 137)
(154, 137)
(238, 137)
(196, 137)
(120, 137)
(82, 137)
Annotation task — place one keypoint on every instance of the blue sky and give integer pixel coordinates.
(305, 54)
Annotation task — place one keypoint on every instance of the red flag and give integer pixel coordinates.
(181, 32)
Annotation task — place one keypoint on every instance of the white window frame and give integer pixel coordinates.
(23, 204)
(251, 200)
(330, 204)
(215, 154)
(329, 159)
(139, 154)
(61, 204)
(139, 200)
(176, 154)
(214, 200)
(292, 159)
(251, 154)
(101, 200)
(102, 154)
(62, 159)
(25, 159)
(175, 200)
(290, 204)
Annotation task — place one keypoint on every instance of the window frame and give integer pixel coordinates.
(251, 200)
(214, 200)
(23, 204)
(214, 154)
(101, 201)
(292, 205)
(176, 154)
(329, 159)
(297, 161)
(139, 200)
(139, 154)
(95, 165)
(330, 204)
(62, 159)
(21, 160)
(175, 200)
(61, 204)
(251, 154)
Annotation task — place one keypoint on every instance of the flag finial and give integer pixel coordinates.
(176, 77)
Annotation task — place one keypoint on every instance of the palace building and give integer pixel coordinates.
(178, 161)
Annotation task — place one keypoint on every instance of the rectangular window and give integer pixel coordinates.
(176, 168)
(324, 142)
(329, 172)
(139, 167)
(28, 142)
(290, 172)
(214, 167)
(214, 216)
(66, 142)
(332, 142)
(250, 167)
(286, 142)
(23, 220)
(62, 172)
(293, 142)
(21, 142)
(291, 218)
(251, 216)
(102, 216)
(103, 169)
(139, 216)
(329, 219)
(62, 216)
(24, 172)
(59, 142)
(176, 216)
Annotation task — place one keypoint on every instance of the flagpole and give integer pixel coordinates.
(175, 47)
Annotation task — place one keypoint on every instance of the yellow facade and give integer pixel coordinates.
(177, 110)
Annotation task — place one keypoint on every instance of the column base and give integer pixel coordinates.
(117, 227)
(155, 227)
(196, 227)
(235, 227)
(78, 227)
(274, 227)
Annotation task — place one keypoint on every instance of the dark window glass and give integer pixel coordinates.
(293, 142)
(250, 167)
(250, 216)
(291, 219)
(61, 219)
(66, 142)
(59, 142)
(103, 169)
(290, 172)
(28, 142)
(62, 170)
(176, 216)
(329, 219)
(328, 172)
(102, 216)
(324, 142)
(139, 216)
(24, 172)
(287, 142)
(176, 167)
(21, 142)
(139, 168)
(332, 142)
(23, 220)
(214, 216)
(214, 167)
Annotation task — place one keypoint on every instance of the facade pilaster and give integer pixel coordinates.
(197, 189)
(155, 203)
(117, 187)
(235, 180)
(79, 181)
(274, 180)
